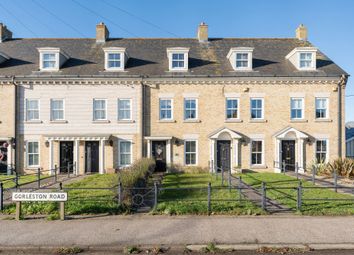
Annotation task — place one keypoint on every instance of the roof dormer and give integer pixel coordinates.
(115, 58)
(3, 57)
(303, 58)
(51, 59)
(241, 58)
(177, 59)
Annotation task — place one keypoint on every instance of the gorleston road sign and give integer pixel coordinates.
(40, 196)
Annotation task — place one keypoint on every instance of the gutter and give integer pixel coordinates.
(341, 84)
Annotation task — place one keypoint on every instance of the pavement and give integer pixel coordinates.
(243, 232)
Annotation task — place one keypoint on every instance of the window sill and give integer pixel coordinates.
(100, 121)
(258, 121)
(192, 121)
(33, 122)
(258, 166)
(323, 120)
(125, 121)
(233, 120)
(58, 121)
(167, 121)
(115, 70)
(298, 120)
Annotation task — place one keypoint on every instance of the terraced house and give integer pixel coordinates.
(250, 103)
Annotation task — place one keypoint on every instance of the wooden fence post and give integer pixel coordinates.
(62, 210)
(18, 210)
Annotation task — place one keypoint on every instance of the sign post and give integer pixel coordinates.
(60, 197)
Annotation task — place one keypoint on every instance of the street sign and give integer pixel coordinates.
(40, 196)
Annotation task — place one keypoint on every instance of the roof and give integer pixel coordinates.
(148, 57)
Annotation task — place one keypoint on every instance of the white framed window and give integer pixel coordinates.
(257, 108)
(322, 151)
(32, 153)
(321, 105)
(115, 58)
(241, 58)
(57, 109)
(166, 109)
(303, 58)
(257, 152)
(124, 109)
(49, 61)
(178, 58)
(306, 60)
(99, 109)
(297, 108)
(232, 108)
(32, 109)
(190, 152)
(125, 153)
(190, 108)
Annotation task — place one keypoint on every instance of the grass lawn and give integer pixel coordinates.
(194, 200)
(288, 197)
(23, 179)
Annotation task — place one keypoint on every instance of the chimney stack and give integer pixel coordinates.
(5, 34)
(102, 33)
(203, 32)
(301, 33)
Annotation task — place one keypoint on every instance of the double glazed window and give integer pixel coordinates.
(242, 60)
(125, 153)
(190, 108)
(297, 108)
(57, 109)
(321, 108)
(306, 60)
(32, 109)
(256, 108)
(49, 61)
(232, 108)
(177, 60)
(166, 109)
(99, 109)
(190, 152)
(32, 149)
(321, 151)
(257, 153)
(114, 60)
(124, 109)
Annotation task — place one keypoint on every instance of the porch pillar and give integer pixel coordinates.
(51, 152)
(168, 151)
(301, 155)
(277, 163)
(148, 148)
(212, 155)
(236, 163)
(76, 156)
(101, 157)
(9, 157)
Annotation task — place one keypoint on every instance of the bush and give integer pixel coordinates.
(137, 173)
(179, 169)
(342, 166)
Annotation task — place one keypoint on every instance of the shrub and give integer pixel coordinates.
(342, 166)
(137, 172)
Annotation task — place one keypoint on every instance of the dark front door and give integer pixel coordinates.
(91, 157)
(288, 154)
(3, 156)
(159, 154)
(66, 156)
(223, 155)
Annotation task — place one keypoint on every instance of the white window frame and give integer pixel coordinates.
(26, 107)
(302, 109)
(93, 109)
(196, 152)
(232, 56)
(130, 108)
(51, 109)
(27, 153)
(119, 152)
(238, 108)
(327, 108)
(262, 109)
(165, 119)
(115, 50)
(295, 58)
(185, 109)
(60, 57)
(178, 50)
(312, 63)
(327, 149)
(262, 155)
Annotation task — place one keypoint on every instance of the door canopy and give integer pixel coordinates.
(290, 133)
(224, 134)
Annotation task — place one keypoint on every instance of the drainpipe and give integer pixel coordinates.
(142, 117)
(341, 84)
(15, 148)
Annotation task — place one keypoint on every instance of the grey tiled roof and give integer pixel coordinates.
(148, 57)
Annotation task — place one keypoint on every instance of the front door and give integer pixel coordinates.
(288, 154)
(91, 157)
(3, 156)
(66, 156)
(223, 155)
(159, 154)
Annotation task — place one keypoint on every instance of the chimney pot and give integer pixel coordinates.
(5, 33)
(102, 33)
(202, 32)
(301, 33)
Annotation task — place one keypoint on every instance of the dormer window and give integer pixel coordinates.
(115, 58)
(241, 58)
(178, 59)
(51, 59)
(303, 58)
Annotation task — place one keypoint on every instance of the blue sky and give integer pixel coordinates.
(330, 22)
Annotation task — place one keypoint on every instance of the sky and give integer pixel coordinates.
(330, 22)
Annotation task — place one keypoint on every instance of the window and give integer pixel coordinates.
(190, 109)
(32, 154)
(321, 108)
(114, 60)
(99, 109)
(190, 152)
(241, 60)
(49, 61)
(257, 153)
(297, 108)
(256, 108)
(166, 109)
(306, 60)
(57, 109)
(232, 108)
(125, 153)
(178, 60)
(321, 151)
(124, 109)
(32, 109)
